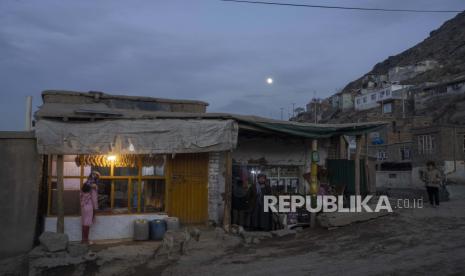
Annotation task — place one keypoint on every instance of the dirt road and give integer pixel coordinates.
(427, 241)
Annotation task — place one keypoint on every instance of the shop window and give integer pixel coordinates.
(130, 183)
(126, 171)
(282, 179)
(153, 198)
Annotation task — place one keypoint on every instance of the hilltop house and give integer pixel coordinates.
(372, 98)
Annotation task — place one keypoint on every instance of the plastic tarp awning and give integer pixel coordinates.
(307, 130)
(159, 136)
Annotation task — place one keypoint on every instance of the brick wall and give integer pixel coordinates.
(216, 181)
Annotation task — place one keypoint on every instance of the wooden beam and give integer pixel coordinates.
(227, 192)
(60, 200)
(358, 148)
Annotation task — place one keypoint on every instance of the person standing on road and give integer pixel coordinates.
(432, 178)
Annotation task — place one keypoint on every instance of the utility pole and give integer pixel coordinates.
(316, 119)
(28, 126)
(293, 109)
(282, 109)
(315, 106)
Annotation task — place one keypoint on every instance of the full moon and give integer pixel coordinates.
(269, 80)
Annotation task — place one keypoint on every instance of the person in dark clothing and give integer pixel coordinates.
(259, 219)
(239, 203)
(432, 178)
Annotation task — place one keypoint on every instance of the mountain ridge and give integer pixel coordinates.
(446, 45)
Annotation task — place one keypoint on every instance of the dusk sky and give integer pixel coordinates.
(219, 52)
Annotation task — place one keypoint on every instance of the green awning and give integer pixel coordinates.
(310, 130)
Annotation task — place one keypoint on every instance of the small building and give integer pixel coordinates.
(373, 81)
(423, 95)
(444, 144)
(343, 101)
(400, 73)
(160, 158)
(371, 99)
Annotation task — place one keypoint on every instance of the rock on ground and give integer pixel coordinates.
(54, 242)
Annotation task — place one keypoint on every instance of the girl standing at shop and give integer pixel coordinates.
(89, 204)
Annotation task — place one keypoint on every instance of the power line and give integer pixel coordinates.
(340, 7)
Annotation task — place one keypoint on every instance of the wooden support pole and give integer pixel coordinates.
(139, 184)
(112, 190)
(314, 181)
(314, 170)
(130, 194)
(168, 186)
(60, 200)
(227, 192)
(358, 148)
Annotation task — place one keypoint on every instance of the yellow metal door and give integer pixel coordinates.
(188, 188)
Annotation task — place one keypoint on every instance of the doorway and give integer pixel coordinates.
(188, 189)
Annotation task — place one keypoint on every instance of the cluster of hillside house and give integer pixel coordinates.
(425, 122)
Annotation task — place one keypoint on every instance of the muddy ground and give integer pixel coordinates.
(427, 241)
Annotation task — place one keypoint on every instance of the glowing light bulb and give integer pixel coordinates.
(111, 157)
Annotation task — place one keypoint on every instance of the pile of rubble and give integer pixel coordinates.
(55, 251)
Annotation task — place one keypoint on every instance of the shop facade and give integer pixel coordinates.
(156, 160)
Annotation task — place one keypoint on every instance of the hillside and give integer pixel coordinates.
(445, 45)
